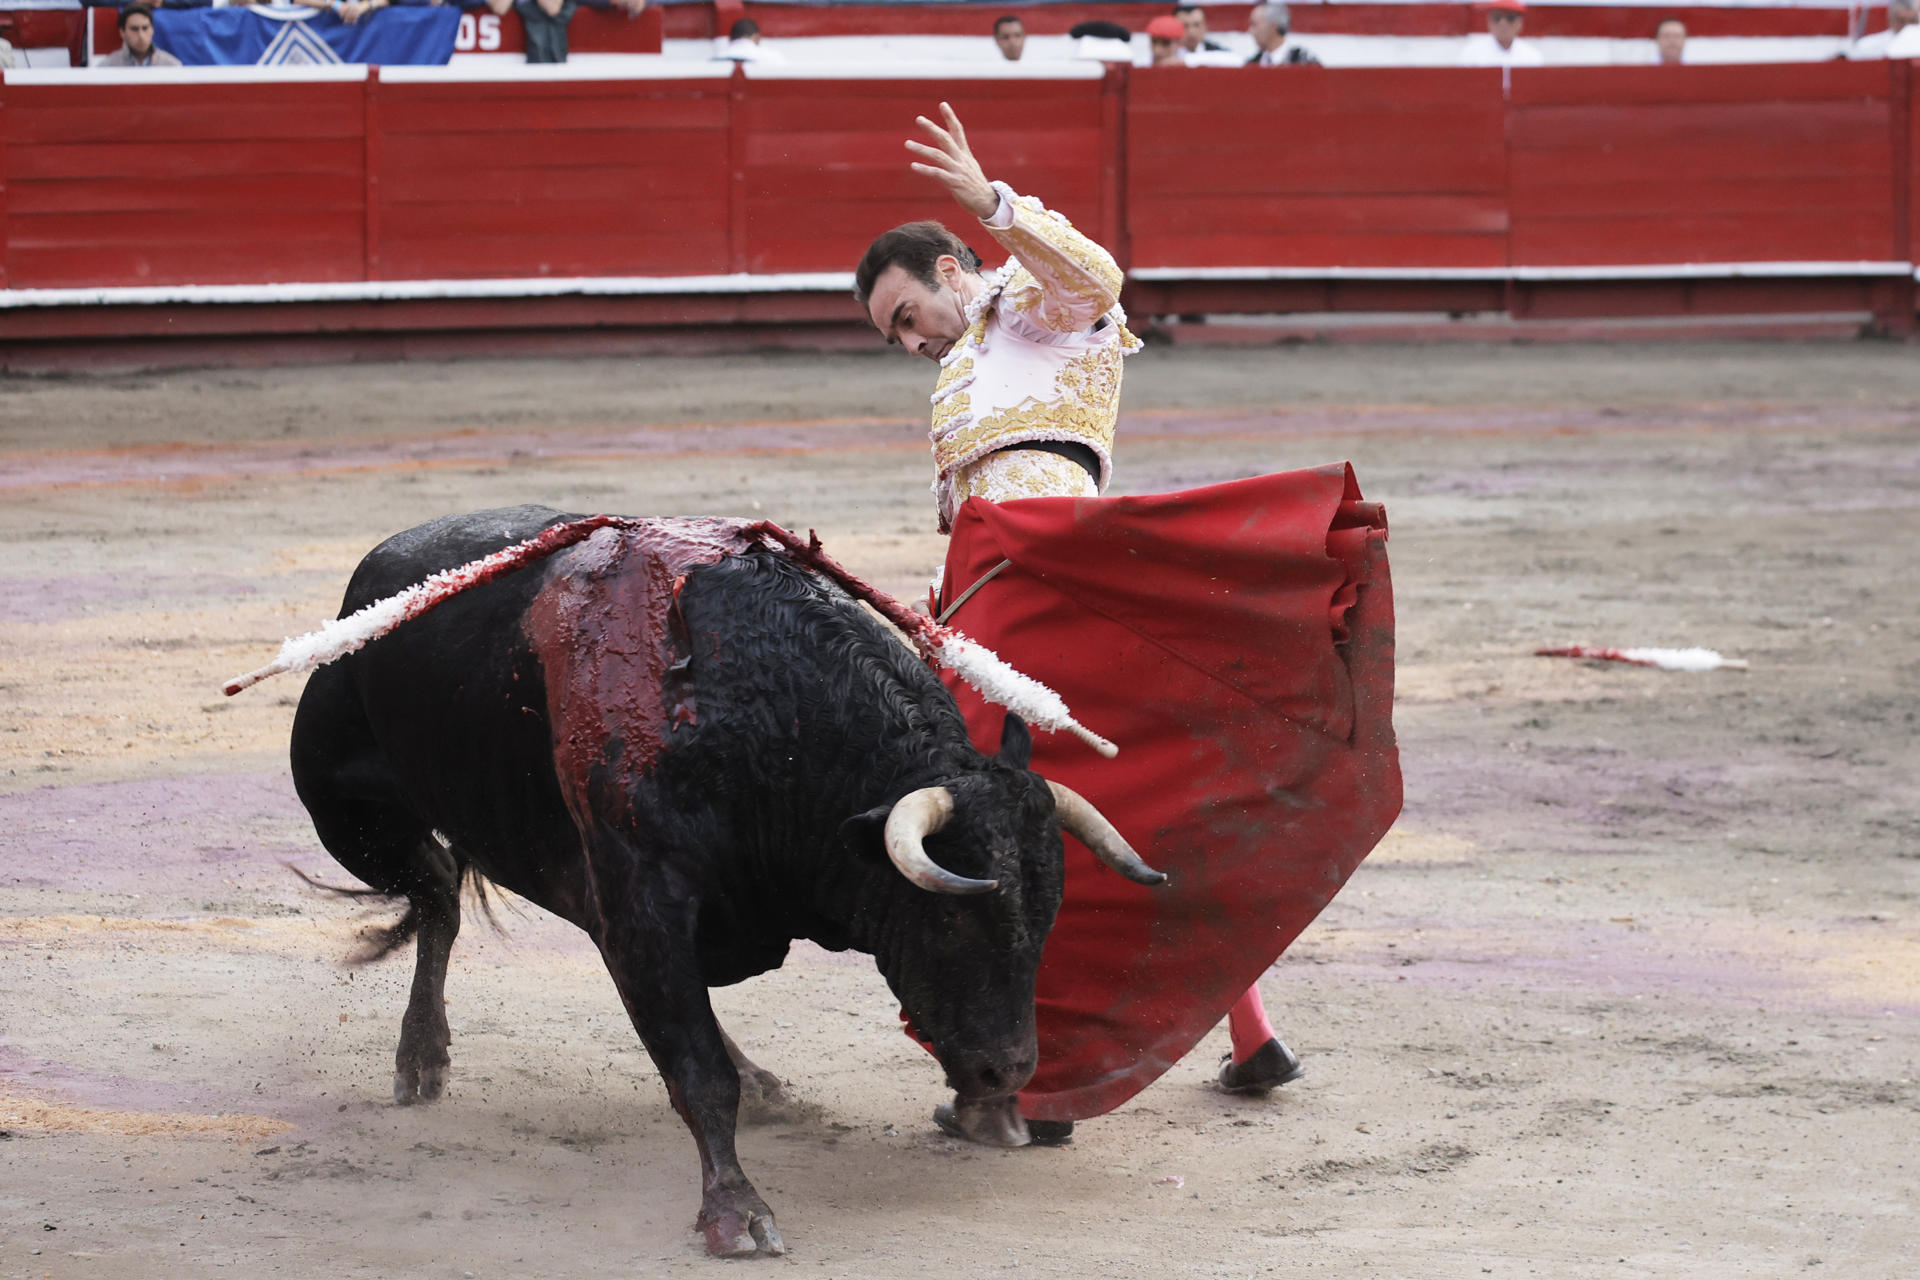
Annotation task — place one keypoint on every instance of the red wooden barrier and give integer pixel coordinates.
(195, 184)
(825, 169)
(1706, 164)
(1416, 175)
(492, 179)
(1378, 167)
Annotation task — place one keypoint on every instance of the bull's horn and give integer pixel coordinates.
(913, 818)
(1079, 816)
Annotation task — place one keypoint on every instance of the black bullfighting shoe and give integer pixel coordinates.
(1050, 1133)
(1272, 1065)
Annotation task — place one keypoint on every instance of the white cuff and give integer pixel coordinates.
(1002, 216)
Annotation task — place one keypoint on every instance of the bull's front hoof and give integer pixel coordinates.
(995, 1122)
(735, 1233)
(423, 1084)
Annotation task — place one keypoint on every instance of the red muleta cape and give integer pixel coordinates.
(1236, 641)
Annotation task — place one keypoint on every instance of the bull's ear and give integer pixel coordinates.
(1016, 744)
(864, 834)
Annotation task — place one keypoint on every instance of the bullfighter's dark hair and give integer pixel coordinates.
(914, 247)
(144, 10)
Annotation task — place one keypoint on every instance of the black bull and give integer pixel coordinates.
(696, 751)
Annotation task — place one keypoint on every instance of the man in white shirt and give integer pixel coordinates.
(1901, 15)
(1502, 45)
(1268, 25)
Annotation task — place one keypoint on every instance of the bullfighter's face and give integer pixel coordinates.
(926, 320)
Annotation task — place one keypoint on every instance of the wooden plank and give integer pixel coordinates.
(1314, 247)
(582, 217)
(160, 122)
(1704, 237)
(1064, 187)
(1223, 94)
(164, 228)
(1277, 218)
(478, 151)
(685, 188)
(700, 251)
(236, 157)
(1536, 172)
(1755, 197)
(1614, 86)
(1397, 168)
(36, 263)
(1710, 125)
(602, 113)
(265, 195)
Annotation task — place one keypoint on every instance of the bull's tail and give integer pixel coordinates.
(377, 941)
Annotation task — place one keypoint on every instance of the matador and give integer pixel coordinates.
(1025, 406)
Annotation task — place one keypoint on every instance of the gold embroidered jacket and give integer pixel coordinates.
(1041, 356)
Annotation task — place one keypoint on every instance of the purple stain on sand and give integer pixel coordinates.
(189, 834)
(37, 600)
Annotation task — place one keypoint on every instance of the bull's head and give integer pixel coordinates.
(981, 858)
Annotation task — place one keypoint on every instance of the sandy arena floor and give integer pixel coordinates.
(1630, 991)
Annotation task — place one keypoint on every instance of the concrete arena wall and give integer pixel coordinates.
(210, 201)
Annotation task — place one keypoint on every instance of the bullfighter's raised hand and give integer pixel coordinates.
(950, 161)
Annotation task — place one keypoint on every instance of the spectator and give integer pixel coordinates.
(136, 42)
(1670, 40)
(1268, 25)
(1901, 15)
(1194, 19)
(1165, 33)
(8, 58)
(544, 21)
(1502, 45)
(743, 44)
(1011, 35)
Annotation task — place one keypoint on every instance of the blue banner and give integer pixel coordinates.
(286, 37)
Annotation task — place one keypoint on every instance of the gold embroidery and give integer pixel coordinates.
(1023, 473)
(1079, 281)
(947, 410)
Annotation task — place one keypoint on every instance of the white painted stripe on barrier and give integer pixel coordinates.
(842, 282)
(1638, 271)
(343, 72)
(1064, 69)
(477, 68)
(429, 290)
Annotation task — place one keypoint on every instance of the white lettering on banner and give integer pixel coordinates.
(478, 32)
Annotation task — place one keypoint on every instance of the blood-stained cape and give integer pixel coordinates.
(1236, 641)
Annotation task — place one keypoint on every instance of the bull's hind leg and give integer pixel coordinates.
(363, 819)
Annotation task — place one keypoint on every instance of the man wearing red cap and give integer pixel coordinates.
(1502, 45)
(1165, 33)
